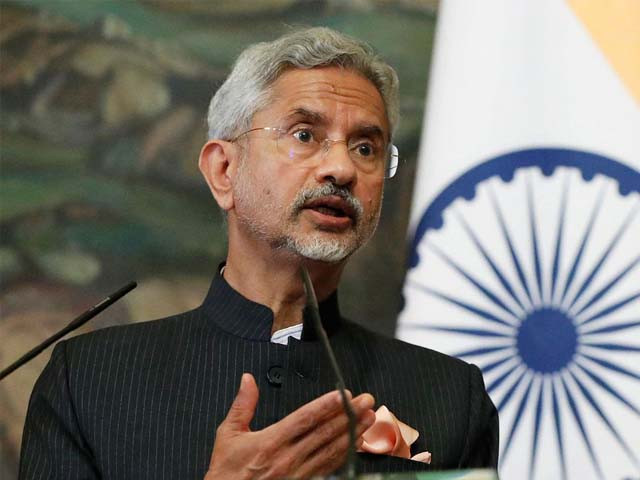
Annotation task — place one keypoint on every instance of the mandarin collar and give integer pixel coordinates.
(239, 316)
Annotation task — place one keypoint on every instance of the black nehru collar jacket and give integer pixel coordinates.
(144, 400)
(243, 318)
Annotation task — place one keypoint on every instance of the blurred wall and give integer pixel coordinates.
(102, 108)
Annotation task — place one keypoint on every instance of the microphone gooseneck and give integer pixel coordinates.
(75, 323)
(313, 311)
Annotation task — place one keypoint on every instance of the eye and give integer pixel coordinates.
(365, 149)
(303, 135)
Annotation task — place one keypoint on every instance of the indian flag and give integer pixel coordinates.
(525, 227)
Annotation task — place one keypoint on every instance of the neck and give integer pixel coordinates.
(273, 279)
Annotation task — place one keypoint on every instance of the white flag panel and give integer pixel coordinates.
(525, 232)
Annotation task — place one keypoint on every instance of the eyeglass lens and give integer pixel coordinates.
(367, 153)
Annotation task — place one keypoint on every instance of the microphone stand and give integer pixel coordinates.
(313, 310)
(76, 323)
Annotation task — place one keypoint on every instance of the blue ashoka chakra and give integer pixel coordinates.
(528, 265)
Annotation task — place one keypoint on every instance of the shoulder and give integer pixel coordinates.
(395, 350)
(162, 335)
(397, 364)
(107, 364)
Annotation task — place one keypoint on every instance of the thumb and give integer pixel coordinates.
(244, 405)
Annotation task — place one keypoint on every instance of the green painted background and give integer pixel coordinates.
(102, 107)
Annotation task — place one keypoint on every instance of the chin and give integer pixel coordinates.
(321, 250)
(326, 257)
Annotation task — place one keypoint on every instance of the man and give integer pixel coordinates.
(300, 144)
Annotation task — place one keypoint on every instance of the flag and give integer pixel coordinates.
(525, 226)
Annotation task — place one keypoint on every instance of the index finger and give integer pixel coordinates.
(308, 416)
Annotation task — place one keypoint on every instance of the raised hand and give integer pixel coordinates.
(313, 440)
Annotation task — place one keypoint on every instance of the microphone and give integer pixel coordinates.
(75, 323)
(312, 311)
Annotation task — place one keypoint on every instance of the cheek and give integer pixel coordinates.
(372, 195)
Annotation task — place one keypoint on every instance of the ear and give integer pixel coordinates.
(218, 164)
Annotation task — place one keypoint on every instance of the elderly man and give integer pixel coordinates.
(300, 145)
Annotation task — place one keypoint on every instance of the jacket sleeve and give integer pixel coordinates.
(482, 445)
(52, 444)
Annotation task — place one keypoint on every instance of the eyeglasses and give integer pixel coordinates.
(301, 145)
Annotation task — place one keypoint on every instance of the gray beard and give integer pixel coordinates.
(314, 246)
(320, 249)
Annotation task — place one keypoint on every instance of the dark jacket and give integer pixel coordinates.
(144, 400)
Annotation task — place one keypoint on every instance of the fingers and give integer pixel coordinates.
(331, 455)
(314, 437)
(328, 431)
(326, 460)
(243, 407)
(307, 417)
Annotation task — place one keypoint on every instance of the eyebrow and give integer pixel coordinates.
(370, 131)
(317, 117)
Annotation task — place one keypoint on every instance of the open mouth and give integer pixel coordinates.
(334, 212)
(332, 206)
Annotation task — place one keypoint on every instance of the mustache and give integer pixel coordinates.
(328, 189)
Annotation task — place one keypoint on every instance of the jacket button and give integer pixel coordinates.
(275, 375)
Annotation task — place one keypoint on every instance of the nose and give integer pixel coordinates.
(336, 165)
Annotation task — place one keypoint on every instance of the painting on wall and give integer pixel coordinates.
(102, 117)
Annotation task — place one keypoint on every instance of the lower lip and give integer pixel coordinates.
(329, 221)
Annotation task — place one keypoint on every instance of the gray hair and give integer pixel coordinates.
(246, 90)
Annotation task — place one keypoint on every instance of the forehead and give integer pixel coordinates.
(340, 94)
